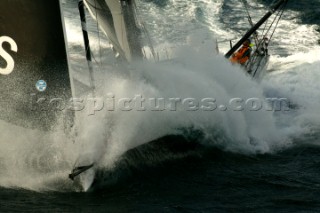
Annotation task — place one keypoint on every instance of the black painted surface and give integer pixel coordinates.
(37, 28)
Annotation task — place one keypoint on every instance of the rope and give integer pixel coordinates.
(265, 27)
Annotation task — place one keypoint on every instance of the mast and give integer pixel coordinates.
(273, 8)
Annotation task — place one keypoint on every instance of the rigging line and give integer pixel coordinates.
(245, 4)
(98, 29)
(85, 34)
(95, 59)
(255, 72)
(278, 18)
(266, 24)
(141, 25)
(122, 26)
(283, 8)
(92, 54)
(250, 20)
(89, 49)
(264, 35)
(145, 30)
(99, 38)
(275, 18)
(97, 9)
(265, 27)
(247, 10)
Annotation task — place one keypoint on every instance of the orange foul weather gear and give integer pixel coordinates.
(242, 56)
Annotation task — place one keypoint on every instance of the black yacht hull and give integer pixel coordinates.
(32, 48)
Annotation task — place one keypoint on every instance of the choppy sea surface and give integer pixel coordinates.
(221, 161)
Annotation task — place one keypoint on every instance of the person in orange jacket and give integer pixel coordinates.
(243, 55)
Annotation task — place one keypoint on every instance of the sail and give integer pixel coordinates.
(32, 48)
(118, 21)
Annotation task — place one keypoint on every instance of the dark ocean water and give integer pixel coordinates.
(216, 181)
(198, 179)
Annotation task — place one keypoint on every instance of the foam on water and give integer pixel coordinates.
(297, 79)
